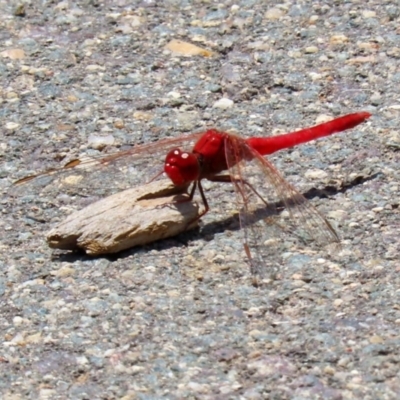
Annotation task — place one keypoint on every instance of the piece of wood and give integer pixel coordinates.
(134, 217)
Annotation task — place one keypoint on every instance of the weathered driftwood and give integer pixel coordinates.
(130, 218)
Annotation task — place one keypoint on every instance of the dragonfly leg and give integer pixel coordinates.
(203, 197)
(190, 198)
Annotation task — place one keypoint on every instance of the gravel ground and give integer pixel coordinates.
(180, 318)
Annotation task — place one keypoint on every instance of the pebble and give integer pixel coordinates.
(187, 49)
(198, 387)
(95, 67)
(311, 50)
(34, 338)
(328, 370)
(223, 104)
(44, 394)
(338, 39)
(274, 13)
(174, 95)
(119, 124)
(316, 174)
(338, 215)
(376, 99)
(99, 142)
(368, 14)
(13, 54)
(338, 302)
(12, 96)
(11, 126)
(64, 272)
(323, 118)
(17, 321)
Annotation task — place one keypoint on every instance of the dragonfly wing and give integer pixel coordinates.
(104, 174)
(274, 216)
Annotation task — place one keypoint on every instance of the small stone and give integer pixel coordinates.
(63, 272)
(65, 127)
(376, 339)
(62, 5)
(311, 50)
(368, 14)
(315, 76)
(82, 360)
(135, 369)
(323, 118)
(71, 98)
(17, 321)
(20, 10)
(12, 95)
(18, 339)
(223, 104)
(95, 67)
(174, 95)
(219, 259)
(72, 180)
(34, 338)
(89, 42)
(298, 283)
(361, 60)
(187, 49)
(297, 277)
(329, 370)
(13, 54)
(46, 394)
(174, 293)
(315, 174)
(337, 214)
(99, 142)
(142, 116)
(187, 119)
(11, 126)
(337, 302)
(338, 39)
(376, 99)
(198, 387)
(135, 20)
(119, 124)
(255, 333)
(274, 13)
(130, 395)
(225, 267)
(368, 46)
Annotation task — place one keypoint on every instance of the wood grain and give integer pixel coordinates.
(134, 217)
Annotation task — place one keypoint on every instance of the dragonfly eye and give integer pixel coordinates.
(181, 167)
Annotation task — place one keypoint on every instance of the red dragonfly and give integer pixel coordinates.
(261, 192)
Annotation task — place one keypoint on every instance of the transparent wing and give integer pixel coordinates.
(274, 216)
(104, 174)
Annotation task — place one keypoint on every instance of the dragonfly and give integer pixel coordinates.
(261, 191)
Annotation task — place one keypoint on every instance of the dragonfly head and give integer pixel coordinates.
(181, 167)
